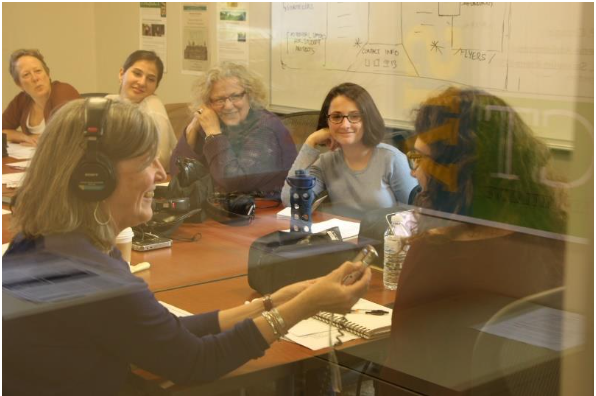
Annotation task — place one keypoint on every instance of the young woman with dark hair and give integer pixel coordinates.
(359, 172)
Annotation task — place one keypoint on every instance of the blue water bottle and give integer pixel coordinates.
(301, 200)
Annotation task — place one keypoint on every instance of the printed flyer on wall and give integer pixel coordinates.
(153, 29)
(232, 32)
(196, 51)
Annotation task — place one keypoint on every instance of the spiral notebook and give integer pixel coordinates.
(361, 321)
(313, 333)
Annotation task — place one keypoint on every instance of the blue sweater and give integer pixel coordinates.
(86, 349)
(385, 181)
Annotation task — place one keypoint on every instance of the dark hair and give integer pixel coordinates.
(14, 57)
(466, 131)
(150, 56)
(372, 122)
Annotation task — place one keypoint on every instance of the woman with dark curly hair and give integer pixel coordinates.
(359, 172)
(485, 177)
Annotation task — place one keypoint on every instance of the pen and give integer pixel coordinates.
(378, 312)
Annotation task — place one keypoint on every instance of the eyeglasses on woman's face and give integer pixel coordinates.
(338, 118)
(234, 98)
(414, 158)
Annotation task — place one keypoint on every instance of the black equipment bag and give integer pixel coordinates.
(282, 258)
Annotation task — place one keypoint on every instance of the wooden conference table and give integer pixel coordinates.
(281, 359)
(210, 274)
(221, 252)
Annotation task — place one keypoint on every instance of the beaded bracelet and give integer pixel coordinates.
(280, 321)
(269, 318)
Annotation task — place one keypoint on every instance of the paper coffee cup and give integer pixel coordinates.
(124, 243)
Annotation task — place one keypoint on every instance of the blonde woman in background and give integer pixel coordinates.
(245, 147)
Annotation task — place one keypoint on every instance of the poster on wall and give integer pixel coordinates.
(232, 32)
(196, 51)
(153, 29)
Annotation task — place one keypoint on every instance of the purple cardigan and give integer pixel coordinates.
(87, 349)
(254, 156)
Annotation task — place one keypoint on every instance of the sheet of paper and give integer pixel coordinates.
(4, 248)
(20, 164)
(543, 327)
(13, 180)
(285, 213)
(4, 211)
(19, 151)
(348, 229)
(175, 310)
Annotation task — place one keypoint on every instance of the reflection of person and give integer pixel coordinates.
(360, 173)
(139, 78)
(95, 343)
(245, 147)
(32, 108)
(456, 159)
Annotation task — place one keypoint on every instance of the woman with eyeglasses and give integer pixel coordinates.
(245, 147)
(490, 230)
(359, 172)
(140, 76)
(40, 96)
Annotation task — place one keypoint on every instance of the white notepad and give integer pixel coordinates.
(313, 333)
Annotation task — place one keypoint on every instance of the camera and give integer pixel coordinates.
(189, 170)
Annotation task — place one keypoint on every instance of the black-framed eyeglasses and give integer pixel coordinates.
(414, 158)
(234, 98)
(338, 118)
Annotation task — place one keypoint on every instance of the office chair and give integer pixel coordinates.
(180, 116)
(301, 125)
(513, 367)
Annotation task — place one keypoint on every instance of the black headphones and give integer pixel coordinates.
(94, 178)
(231, 209)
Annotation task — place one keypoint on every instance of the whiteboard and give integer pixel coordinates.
(537, 56)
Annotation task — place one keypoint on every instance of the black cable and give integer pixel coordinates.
(196, 237)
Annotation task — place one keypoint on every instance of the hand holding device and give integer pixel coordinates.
(366, 255)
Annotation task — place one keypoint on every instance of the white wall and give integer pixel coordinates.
(63, 32)
(85, 44)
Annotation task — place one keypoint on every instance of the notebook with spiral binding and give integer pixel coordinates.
(367, 319)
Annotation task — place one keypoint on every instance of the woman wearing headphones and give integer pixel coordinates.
(88, 348)
(140, 76)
